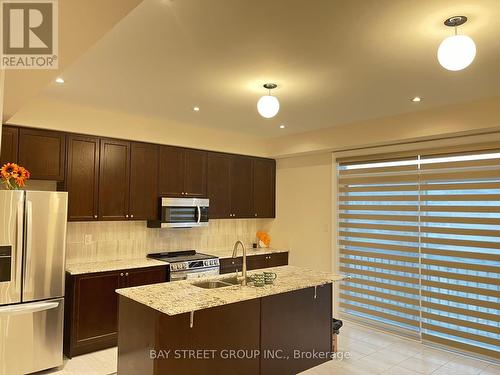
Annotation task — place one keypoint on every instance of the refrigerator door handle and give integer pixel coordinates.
(28, 308)
(28, 243)
(19, 244)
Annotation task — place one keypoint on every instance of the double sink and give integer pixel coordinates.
(214, 284)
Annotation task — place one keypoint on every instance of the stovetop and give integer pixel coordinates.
(180, 256)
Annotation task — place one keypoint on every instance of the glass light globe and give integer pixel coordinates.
(268, 106)
(456, 52)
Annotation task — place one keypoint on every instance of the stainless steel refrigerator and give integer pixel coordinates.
(32, 258)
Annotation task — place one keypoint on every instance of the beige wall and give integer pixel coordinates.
(304, 207)
(462, 118)
(57, 115)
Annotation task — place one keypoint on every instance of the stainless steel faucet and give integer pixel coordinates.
(244, 268)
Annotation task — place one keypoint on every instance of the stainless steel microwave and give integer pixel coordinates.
(182, 213)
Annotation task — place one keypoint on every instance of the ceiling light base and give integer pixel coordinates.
(455, 21)
(270, 86)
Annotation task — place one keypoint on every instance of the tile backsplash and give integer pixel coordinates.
(114, 240)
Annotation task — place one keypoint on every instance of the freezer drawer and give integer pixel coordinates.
(31, 336)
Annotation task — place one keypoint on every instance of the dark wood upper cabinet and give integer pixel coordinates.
(114, 180)
(42, 152)
(171, 181)
(82, 177)
(195, 175)
(219, 185)
(182, 172)
(10, 142)
(241, 187)
(143, 181)
(264, 188)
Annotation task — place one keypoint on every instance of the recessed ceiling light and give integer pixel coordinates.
(416, 99)
(282, 126)
(196, 109)
(59, 80)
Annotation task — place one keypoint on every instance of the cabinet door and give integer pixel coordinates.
(195, 175)
(219, 185)
(82, 177)
(296, 321)
(264, 186)
(171, 182)
(229, 265)
(42, 153)
(255, 262)
(114, 179)
(96, 309)
(146, 276)
(241, 187)
(143, 181)
(277, 259)
(10, 139)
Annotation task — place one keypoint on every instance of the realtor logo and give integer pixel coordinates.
(29, 34)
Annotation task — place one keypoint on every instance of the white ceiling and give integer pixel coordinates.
(335, 61)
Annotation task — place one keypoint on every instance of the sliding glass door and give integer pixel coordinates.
(419, 237)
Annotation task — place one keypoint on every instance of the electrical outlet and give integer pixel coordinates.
(88, 239)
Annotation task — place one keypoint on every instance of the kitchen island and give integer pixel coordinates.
(186, 328)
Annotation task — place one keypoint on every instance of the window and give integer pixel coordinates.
(420, 238)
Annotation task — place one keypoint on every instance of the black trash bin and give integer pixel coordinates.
(336, 325)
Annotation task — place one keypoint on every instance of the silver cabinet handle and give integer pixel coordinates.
(95, 216)
(121, 274)
(199, 214)
(255, 215)
(131, 216)
(126, 215)
(126, 273)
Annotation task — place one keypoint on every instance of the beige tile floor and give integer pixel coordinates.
(371, 352)
(374, 352)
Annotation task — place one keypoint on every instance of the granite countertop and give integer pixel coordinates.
(111, 265)
(180, 297)
(114, 265)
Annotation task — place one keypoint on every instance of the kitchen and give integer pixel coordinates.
(215, 199)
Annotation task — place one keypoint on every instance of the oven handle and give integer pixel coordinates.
(199, 215)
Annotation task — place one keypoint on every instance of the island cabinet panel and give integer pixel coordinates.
(282, 328)
(82, 177)
(114, 180)
(91, 311)
(219, 185)
(10, 143)
(240, 330)
(264, 188)
(143, 181)
(42, 152)
(183, 172)
(241, 187)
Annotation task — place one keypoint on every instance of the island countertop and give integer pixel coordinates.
(179, 297)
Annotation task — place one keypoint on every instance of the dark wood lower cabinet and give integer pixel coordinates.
(254, 262)
(91, 312)
(250, 337)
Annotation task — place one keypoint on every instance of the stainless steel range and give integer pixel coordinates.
(188, 264)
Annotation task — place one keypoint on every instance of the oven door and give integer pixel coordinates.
(194, 274)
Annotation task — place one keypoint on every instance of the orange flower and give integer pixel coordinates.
(9, 169)
(264, 237)
(20, 181)
(23, 173)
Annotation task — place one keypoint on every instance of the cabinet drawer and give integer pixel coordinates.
(229, 265)
(277, 259)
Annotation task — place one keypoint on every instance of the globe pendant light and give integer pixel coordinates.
(268, 106)
(456, 52)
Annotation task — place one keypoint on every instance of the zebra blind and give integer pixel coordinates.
(420, 239)
(379, 241)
